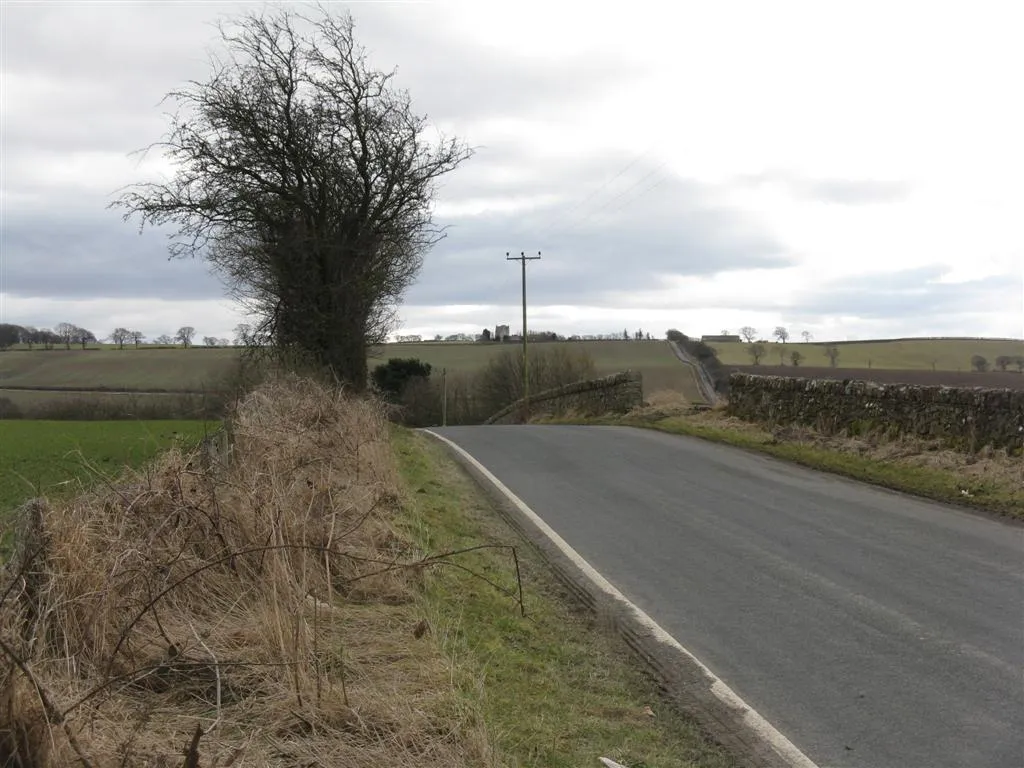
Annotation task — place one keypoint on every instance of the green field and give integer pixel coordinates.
(914, 354)
(142, 369)
(192, 369)
(48, 457)
(198, 368)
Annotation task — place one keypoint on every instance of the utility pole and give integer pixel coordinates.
(522, 258)
(444, 397)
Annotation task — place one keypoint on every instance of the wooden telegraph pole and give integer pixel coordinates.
(522, 258)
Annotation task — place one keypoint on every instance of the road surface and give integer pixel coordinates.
(872, 629)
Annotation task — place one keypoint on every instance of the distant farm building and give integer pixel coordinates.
(501, 333)
(415, 339)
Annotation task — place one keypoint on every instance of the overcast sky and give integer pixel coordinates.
(852, 169)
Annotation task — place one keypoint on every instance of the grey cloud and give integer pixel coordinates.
(839, 191)
(97, 257)
(912, 293)
(106, 93)
(630, 245)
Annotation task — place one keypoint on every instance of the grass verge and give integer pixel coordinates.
(991, 480)
(552, 689)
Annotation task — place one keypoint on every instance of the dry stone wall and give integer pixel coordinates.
(617, 393)
(966, 418)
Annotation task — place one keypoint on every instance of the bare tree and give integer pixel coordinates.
(29, 336)
(795, 357)
(163, 340)
(757, 351)
(137, 337)
(66, 333)
(47, 338)
(120, 336)
(748, 333)
(210, 341)
(979, 363)
(185, 335)
(1003, 362)
(243, 334)
(832, 353)
(83, 336)
(781, 334)
(307, 182)
(806, 336)
(9, 334)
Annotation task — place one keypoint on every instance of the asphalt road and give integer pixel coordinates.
(872, 629)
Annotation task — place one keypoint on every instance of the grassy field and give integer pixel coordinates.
(57, 456)
(180, 369)
(553, 689)
(142, 369)
(915, 354)
(196, 368)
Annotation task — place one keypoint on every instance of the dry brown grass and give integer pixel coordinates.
(230, 606)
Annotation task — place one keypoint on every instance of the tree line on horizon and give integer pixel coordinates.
(70, 334)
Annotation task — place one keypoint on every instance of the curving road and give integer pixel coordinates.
(872, 629)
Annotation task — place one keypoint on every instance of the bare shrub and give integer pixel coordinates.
(501, 381)
(238, 608)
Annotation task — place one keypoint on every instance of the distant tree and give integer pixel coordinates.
(47, 338)
(9, 335)
(1019, 362)
(832, 353)
(66, 333)
(185, 335)
(748, 334)
(29, 336)
(625, 334)
(648, 335)
(210, 341)
(724, 332)
(163, 340)
(795, 357)
(806, 336)
(120, 336)
(486, 335)
(781, 334)
(979, 363)
(1003, 362)
(136, 337)
(673, 335)
(83, 336)
(757, 351)
(392, 377)
(243, 334)
(225, 342)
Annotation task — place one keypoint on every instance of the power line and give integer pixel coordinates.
(575, 225)
(630, 164)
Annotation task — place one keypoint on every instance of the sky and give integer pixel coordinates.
(851, 170)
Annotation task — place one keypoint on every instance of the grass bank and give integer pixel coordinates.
(552, 688)
(990, 480)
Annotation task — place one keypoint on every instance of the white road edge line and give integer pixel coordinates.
(751, 718)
